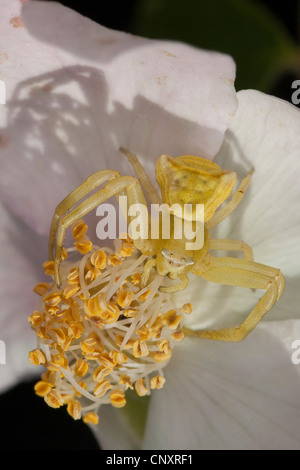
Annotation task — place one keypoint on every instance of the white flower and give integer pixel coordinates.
(76, 92)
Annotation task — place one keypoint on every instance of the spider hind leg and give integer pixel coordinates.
(242, 273)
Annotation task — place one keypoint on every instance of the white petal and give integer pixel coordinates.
(230, 396)
(75, 96)
(19, 254)
(114, 432)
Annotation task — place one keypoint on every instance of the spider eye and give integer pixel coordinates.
(176, 258)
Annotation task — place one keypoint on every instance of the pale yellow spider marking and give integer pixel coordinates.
(186, 179)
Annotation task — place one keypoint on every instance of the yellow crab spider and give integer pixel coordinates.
(182, 180)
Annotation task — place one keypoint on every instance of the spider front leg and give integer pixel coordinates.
(176, 287)
(232, 245)
(113, 188)
(242, 273)
(91, 183)
(236, 199)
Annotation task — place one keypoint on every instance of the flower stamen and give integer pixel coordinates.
(103, 326)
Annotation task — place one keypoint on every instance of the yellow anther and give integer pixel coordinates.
(164, 345)
(107, 361)
(57, 361)
(124, 298)
(126, 250)
(140, 349)
(177, 336)
(41, 288)
(73, 276)
(36, 357)
(49, 268)
(144, 296)
(81, 367)
(67, 397)
(65, 345)
(98, 259)
(118, 339)
(57, 334)
(125, 380)
(156, 327)
(54, 311)
(83, 245)
(52, 299)
(187, 308)
(129, 344)
(160, 356)
(54, 399)
(75, 329)
(136, 279)
(130, 312)
(157, 323)
(118, 357)
(117, 398)
(125, 237)
(112, 313)
(157, 382)
(144, 333)
(172, 319)
(96, 321)
(140, 387)
(90, 276)
(91, 344)
(100, 373)
(102, 387)
(96, 305)
(74, 409)
(79, 229)
(114, 260)
(42, 388)
(91, 418)
(36, 319)
(41, 332)
(93, 355)
(113, 308)
(49, 377)
(71, 290)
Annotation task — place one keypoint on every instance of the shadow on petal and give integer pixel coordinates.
(61, 128)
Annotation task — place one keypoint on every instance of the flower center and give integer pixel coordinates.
(102, 332)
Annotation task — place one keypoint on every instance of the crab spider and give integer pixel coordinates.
(182, 180)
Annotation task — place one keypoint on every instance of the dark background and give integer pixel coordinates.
(26, 421)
